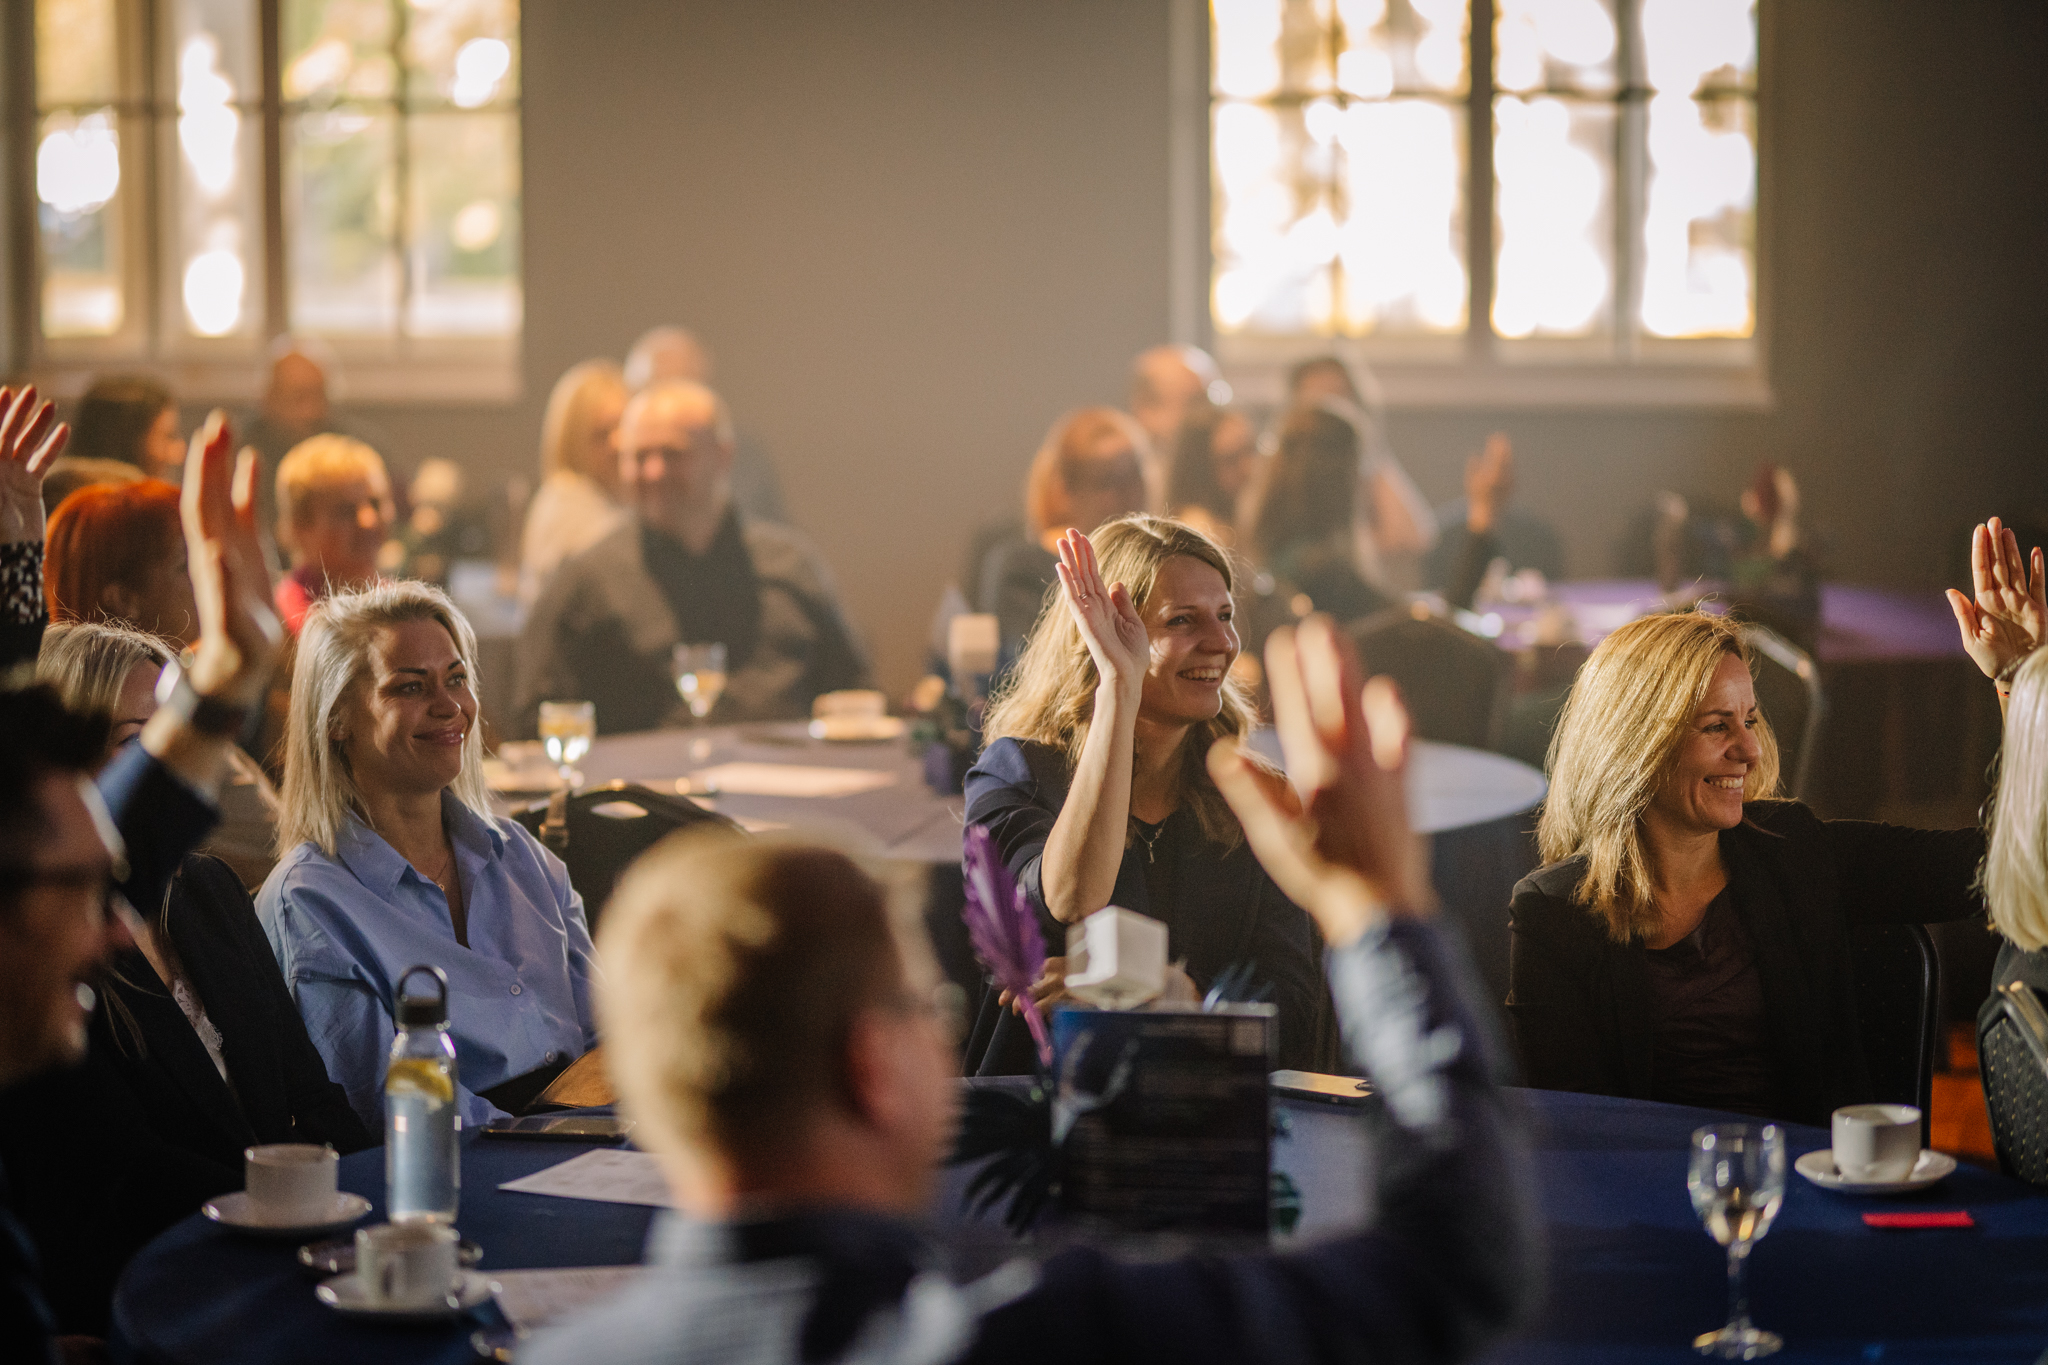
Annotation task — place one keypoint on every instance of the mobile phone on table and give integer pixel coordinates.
(560, 1128)
(1321, 1088)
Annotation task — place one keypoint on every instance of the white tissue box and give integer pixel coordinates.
(1116, 959)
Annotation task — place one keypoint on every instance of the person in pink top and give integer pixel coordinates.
(334, 514)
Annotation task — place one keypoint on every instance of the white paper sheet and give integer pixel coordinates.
(529, 1298)
(607, 1177)
(790, 779)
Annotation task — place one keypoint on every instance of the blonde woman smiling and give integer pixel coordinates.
(390, 857)
(1687, 940)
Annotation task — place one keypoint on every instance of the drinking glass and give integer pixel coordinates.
(700, 676)
(566, 729)
(1737, 1180)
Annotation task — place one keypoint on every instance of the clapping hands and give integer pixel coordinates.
(2008, 618)
(31, 439)
(239, 632)
(1345, 852)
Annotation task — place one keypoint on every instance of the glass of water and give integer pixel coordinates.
(1737, 1180)
(700, 676)
(566, 729)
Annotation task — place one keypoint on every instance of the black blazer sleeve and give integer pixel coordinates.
(1555, 999)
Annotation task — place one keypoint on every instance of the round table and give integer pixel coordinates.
(1633, 1277)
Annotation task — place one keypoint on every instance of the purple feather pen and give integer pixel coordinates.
(1004, 930)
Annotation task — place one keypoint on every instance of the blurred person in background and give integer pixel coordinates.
(671, 353)
(196, 1051)
(117, 553)
(1089, 470)
(1166, 382)
(1524, 540)
(334, 515)
(692, 567)
(577, 503)
(126, 429)
(444, 524)
(1393, 523)
(1302, 515)
(1215, 455)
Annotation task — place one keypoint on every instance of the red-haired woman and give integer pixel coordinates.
(117, 553)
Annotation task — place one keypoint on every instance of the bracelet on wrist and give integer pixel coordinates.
(207, 715)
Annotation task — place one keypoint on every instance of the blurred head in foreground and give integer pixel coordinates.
(775, 1021)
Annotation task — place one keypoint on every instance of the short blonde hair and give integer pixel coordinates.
(732, 970)
(89, 662)
(1050, 696)
(2015, 875)
(320, 791)
(1075, 440)
(1616, 737)
(318, 463)
(565, 427)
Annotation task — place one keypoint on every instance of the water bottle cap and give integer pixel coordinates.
(419, 1010)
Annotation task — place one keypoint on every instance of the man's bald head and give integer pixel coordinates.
(1165, 380)
(667, 353)
(295, 401)
(675, 458)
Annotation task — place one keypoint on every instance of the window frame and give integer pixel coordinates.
(399, 369)
(1474, 369)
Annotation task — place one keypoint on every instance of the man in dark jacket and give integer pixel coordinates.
(688, 568)
(799, 1142)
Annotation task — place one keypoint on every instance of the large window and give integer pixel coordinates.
(209, 174)
(1489, 189)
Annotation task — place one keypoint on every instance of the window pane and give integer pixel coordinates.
(463, 51)
(341, 201)
(214, 236)
(1555, 45)
(1699, 219)
(338, 49)
(80, 211)
(464, 236)
(1693, 45)
(1402, 247)
(76, 56)
(1402, 46)
(1553, 164)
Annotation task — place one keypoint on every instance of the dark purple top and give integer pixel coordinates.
(1712, 1051)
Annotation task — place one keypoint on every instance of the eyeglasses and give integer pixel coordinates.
(945, 1005)
(14, 880)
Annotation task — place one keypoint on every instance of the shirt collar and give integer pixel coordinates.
(838, 1234)
(378, 866)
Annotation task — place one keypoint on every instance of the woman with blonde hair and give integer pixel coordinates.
(1094, 783)
(1687, 938)
(390, 857)
(1090, 469)
(577, 504)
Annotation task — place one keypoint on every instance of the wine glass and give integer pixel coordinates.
(700, 677)
(566, 729)
(1737, 1181)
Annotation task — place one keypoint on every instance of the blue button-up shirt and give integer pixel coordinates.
(346, 928)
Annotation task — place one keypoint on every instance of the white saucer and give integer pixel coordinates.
(344, 1294)
(1819, 1167)
(237, 1211)
(858, 729)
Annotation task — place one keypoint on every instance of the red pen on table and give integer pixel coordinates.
(1947, 1218)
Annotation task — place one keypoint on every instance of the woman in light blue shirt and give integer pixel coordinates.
(391, 858)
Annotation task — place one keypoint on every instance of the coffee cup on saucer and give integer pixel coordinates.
(1876, 1143)
(407, 1265)
(291, 1183)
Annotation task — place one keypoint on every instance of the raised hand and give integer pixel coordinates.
(1489, 479)
(31, 439)
(239, 633)
(1346, 853)
(2008, 618)
(1109, 622)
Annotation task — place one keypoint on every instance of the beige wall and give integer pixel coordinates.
(916, 230)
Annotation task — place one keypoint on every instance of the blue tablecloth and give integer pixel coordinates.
(1632, 1275)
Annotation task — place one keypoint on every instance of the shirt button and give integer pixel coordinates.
(515, 988)
(551, 1057)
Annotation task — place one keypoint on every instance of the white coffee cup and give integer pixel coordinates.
(290, 1183)
(407, 1265)
(1876, 1142)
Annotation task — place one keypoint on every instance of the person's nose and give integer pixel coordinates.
(1220, 637)
(1747, 748)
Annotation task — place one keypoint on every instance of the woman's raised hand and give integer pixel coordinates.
(1109, 622)
(1344, 852)
(31, 439)
(239, 634)
(2009, 617)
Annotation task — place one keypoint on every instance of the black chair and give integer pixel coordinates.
(2012, 1054)
(599, 831)
(1455, 683)
(1789, 692)
(1898, 1000)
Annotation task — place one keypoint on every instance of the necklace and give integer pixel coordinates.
(1149, 838)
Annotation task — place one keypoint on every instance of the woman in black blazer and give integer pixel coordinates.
(1687, 939)
(1094, 784)
(106, 1155)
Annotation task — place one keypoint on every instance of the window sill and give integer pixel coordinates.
(423, 381)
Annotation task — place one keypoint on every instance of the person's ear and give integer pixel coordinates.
(874, 1089)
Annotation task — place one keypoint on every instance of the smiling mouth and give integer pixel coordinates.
(1729, 784)
(452, 735)
(1202, 675)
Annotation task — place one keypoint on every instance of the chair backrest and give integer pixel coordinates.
(1898, 1005)
(1455, 682)
(607, 827)
(2012, 1054)
(1789, 692)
